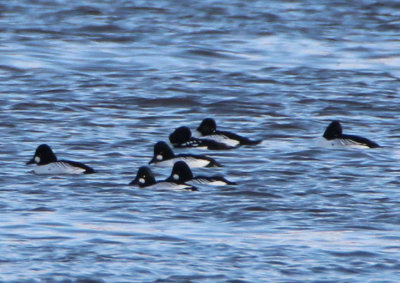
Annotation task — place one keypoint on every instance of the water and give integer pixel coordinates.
(103, 81)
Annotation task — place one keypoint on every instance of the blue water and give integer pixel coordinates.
(103, 81)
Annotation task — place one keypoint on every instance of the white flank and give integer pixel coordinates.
(223, 139)
(165, 163)
(168, 186)
(191, 161)
(217, 183)
(195, 162)
(57, 168)
(339, 143)
(206, 182)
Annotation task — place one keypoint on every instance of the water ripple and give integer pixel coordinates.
(103, 82)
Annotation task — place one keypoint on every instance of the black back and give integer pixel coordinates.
(88, 170)
(361, 140)
(335, 131)
(242, 140)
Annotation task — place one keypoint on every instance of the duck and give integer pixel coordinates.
(47, 163)
(182, 173)
(145, 179)
(334, 137)
(182, 138)
(208, 129)
(164, 156)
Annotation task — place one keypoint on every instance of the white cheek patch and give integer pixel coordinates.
(159, 157)
(176, 177)
(142, 181)
(37, 159)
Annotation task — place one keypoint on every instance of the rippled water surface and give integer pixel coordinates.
(103, 81)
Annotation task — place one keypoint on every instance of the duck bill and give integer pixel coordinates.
(152, 161)
(134, 182)
(32, 161)
(170, 179)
